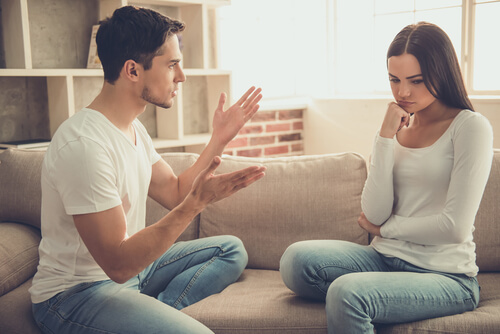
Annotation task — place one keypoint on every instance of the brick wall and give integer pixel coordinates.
(270, 133)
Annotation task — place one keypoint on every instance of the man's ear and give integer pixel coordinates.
(131, 70)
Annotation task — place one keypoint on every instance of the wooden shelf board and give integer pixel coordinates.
(187, 140)
(84, 72)
(52, 72)
(181, 3)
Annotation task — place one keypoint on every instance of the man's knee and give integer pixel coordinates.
(235, 252)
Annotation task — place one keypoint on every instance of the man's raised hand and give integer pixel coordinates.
(209, 188)
(227, 124)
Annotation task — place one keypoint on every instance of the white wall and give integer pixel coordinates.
(341, 125)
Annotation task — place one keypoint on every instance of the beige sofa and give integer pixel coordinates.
(307, 197)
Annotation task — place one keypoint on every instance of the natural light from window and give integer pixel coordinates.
(278, 45)
(330, 48)
(487, 47)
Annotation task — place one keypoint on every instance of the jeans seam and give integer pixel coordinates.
(192, 281)
(169, 261)
(323, 266)
(42, 326)
(160, 265)
(65, 294)
(339, 266)
(65, 320)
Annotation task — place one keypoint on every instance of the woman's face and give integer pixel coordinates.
(407, 84)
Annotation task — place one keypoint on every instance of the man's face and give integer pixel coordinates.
(161, 81)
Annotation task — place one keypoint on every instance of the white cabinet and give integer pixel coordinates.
(31, 27)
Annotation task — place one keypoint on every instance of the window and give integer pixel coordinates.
(279, 45)
(486, 67)
(338, 47)
(377, 24)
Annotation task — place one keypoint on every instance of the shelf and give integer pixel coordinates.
(84, 72)
(46, 49)
(55, 72)
(188, 140)
(180, 3)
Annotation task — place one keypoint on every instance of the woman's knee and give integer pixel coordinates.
(298, 268)
(347, 291)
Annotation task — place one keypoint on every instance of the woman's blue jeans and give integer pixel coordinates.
(362, 287)
(149, 303)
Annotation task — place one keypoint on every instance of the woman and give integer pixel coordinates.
(430, 163)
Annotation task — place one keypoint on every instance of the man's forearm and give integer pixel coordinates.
(141, 249)
(186, 178)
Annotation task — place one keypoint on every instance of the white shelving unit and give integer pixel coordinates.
(187, 124)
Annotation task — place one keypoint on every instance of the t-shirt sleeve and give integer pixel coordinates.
(378, 193)
(84, 175)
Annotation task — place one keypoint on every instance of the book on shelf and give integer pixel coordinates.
(26, 144)
(93, 60)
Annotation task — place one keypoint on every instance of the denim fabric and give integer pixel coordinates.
(363, 288)
(149, 303)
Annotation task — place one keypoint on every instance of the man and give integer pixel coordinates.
(101, 270)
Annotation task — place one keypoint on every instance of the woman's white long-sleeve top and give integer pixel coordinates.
(426, 199)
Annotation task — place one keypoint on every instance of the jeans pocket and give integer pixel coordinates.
(64, 296)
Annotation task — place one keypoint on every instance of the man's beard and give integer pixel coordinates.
(148, 98)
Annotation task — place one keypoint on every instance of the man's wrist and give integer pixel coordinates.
(190, 206)
(217, 144)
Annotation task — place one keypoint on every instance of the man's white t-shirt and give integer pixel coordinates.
(90, 166)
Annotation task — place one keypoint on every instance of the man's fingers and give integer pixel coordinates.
(250, 114)
(245, 96)
(244, 180)
(251, 179)
(247, 176)
(253, 99)
(233, 176)
(222, 101)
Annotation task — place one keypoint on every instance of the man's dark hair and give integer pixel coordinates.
(132, 33)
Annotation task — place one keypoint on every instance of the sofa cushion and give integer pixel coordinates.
(154, 211)
(259, 302)
(18, 254)
(300, 198)
(16, 316)
(484, 319)
(21, 195)
(487, 224)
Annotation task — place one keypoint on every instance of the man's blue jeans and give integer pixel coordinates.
(362, 287)
(149, 303)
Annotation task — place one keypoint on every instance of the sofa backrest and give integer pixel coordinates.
(20, 187)
(487, 224)
(300, 198)
(20, 197)
(307, 197)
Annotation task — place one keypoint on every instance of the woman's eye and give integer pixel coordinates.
(394, 80)
(416, 82)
